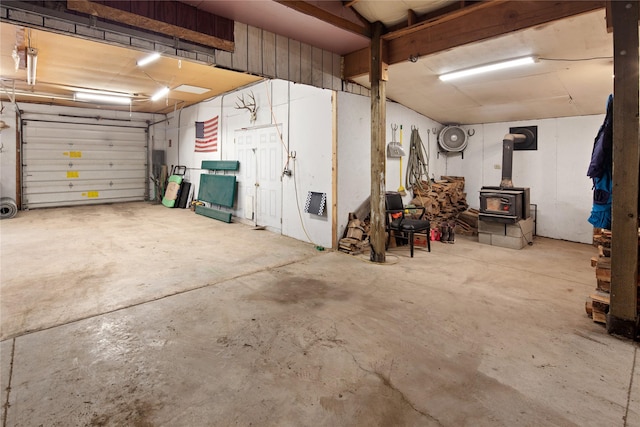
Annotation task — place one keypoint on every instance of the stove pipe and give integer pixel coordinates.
(507, 157)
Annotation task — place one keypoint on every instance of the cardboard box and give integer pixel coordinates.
(420, 240)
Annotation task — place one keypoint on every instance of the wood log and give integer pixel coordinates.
(588, 307)
(599, 316)
(603, 285)
(600, 301)
(443, 200)
(603, 274)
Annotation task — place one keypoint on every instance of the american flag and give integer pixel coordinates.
(207, 136)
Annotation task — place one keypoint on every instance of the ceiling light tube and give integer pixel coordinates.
(159, 94)
(111, 99)
(487, 68)
(32, 62)
(148, 59)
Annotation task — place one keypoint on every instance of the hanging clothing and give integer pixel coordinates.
(602, 154)
(601, 210)
(600, 171)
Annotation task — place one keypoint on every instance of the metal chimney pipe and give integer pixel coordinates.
(507, 157)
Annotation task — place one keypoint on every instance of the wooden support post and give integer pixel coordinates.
(626, 156)
(378, 159)
(334, 170)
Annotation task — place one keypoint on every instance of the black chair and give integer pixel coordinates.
(405, 226)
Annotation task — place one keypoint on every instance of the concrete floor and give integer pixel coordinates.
(138, 315)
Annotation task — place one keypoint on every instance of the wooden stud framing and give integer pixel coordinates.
(626, 163)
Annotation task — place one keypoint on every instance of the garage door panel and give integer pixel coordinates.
(60, 152)
(78, 175)
(95, 185)
(86, 165)
(65, 144)
(66, 164)
(34, 154)
(60, 131)
(83, 197)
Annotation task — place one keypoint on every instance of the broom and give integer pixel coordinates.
(401, 189)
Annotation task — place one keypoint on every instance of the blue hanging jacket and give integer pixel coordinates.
(600, 171)
(601, 210)
(602, 154)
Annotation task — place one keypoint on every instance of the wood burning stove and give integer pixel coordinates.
(506, 203)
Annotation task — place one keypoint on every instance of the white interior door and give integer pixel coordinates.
(247, 174)
(260, 179)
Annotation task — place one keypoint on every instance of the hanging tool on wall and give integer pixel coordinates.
(418, 163)
(401, 189)
(394, 149)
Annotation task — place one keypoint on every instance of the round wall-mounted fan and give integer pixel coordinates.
(453, 138)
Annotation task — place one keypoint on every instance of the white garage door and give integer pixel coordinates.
(66, 164)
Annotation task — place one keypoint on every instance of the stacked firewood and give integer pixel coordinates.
(597, 305)
(356, 238)
(443, 199)
(467, 222)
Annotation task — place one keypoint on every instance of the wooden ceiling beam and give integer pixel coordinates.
(349, 5)
(149, 24)
(323, 15)
(477, 22)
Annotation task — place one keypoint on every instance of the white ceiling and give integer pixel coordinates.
(280, 19)
(546, 89)
(569, 85)
(393, 12)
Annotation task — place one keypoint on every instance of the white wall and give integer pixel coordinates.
(304, 116)
(556, 172)
(354, 150)
(310, 137)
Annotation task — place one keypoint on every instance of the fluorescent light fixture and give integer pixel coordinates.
(192, 89)
(111, 99)
(159, 94)
(32, 62)
(488, 67)
(148, 59)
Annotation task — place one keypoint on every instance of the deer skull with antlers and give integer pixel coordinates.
(251, 106)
